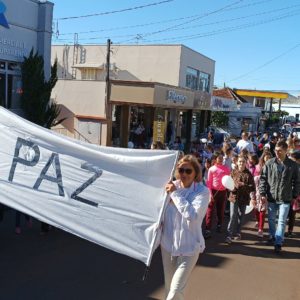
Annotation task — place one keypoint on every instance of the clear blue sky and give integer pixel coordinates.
(255, 43)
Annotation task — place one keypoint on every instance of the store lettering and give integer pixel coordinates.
(175, 97)
(13, 48)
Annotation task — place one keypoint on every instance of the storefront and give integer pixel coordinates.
(19, 33)
(145, 111)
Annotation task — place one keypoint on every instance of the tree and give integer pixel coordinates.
(35, 100)
(219, 118)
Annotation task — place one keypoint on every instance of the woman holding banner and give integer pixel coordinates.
(182, 238)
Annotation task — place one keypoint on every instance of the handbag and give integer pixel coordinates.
(296, 204)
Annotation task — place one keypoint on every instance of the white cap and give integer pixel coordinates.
(267, 146)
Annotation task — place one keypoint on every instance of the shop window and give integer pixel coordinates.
(14, 92)
(2, 89)
(89, 74)
(192, 78)
(204, 82)
(197, 80)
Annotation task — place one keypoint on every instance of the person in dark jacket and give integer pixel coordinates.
(279, 185)
(244, 191)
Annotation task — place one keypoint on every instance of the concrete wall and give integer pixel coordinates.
(85, 98)
(160, 63)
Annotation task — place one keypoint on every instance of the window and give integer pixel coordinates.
(197, 80)
(10, 85)
(192, 78)
(204, 82)
(88, 74)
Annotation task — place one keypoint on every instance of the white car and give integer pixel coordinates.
(296, 131)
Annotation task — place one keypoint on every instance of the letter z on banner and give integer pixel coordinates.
(113, 197)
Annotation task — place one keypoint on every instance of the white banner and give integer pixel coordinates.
(113, 197)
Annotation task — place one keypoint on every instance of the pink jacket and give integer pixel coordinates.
(215, 175)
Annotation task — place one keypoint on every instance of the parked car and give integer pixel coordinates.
(215, 129)
(296, 130)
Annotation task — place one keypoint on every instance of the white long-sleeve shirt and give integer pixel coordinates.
(182, 227)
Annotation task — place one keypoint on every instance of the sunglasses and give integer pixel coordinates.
(187, 171)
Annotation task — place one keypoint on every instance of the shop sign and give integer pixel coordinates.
(223, 104)
(159, 126)
(175, 97)
(3, 21)
(13, 48)
(202, 100)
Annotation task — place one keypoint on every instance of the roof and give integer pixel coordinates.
(228, 93)
(224, 93)
(261, 94)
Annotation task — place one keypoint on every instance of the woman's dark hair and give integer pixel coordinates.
(254, 157)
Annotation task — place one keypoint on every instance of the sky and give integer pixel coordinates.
(255, 43)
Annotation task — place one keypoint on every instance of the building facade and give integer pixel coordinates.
(170, 81)
(24, 24)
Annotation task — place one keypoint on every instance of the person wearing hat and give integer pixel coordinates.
(279, 185)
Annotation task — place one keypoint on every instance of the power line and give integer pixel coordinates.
(224, 30)
(193, 20)
(266, 63)
(194, 26)
(160, 22)
(116, 11)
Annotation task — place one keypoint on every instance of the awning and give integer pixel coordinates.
(89, 66)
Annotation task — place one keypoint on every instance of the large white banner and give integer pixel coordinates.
(111, 196)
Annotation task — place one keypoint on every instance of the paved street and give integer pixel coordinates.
(62, 266)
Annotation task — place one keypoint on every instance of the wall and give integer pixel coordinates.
(158, 63)
(85, 98)
(30, 25)
(193, 59)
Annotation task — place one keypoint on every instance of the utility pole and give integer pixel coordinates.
(108, 106)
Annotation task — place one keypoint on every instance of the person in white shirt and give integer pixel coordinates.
(244, 143)
(182, 238)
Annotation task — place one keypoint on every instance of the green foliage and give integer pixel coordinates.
(219, 118)
(282, 113)
(36, 103)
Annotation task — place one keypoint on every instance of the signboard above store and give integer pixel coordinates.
(223, 104)
(176, 97)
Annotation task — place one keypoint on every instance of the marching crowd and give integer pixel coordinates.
(261, 173)
(264, 174)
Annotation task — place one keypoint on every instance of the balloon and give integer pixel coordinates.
(228, 182)
(249, 208)
(130, 145)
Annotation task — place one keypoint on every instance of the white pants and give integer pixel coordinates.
(177, 270)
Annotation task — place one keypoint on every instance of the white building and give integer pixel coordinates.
(24, 24)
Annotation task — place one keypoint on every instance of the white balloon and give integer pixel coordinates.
(228, 182)
(249, 208)
(130, 145)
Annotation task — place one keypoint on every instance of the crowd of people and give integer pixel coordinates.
(265, 173)
(266, 177)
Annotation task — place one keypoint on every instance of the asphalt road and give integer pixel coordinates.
(63, 266)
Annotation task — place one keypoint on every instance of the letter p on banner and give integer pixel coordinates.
(32, 159)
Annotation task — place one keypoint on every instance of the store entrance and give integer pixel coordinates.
(141, 126)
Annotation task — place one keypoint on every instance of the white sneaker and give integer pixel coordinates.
(260, 233)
